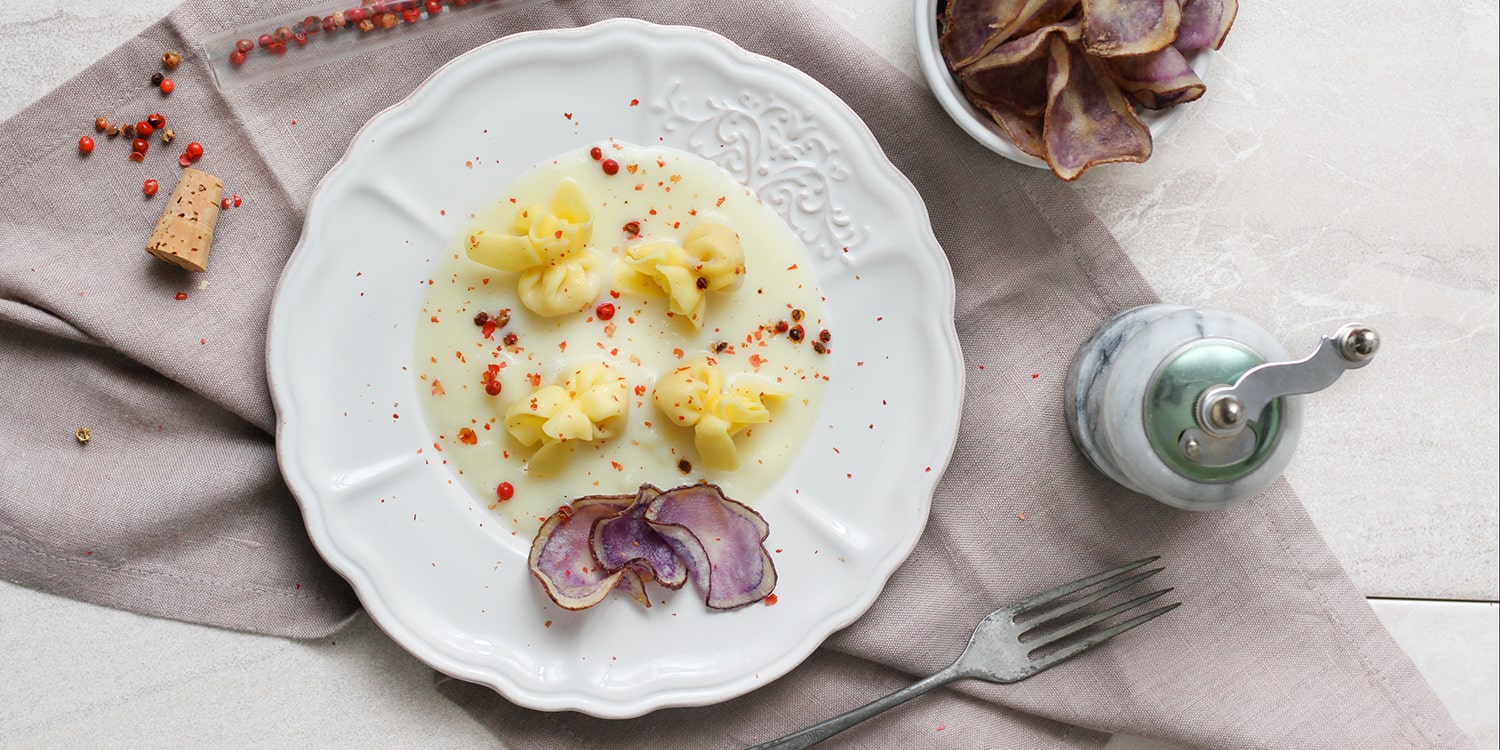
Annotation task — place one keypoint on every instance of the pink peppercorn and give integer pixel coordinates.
(244, 45)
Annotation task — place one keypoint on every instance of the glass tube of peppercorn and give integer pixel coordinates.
(293, 42)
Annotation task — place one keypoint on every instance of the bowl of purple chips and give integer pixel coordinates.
(1067, 85)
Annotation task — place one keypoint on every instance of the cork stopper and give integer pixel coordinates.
(186, 227)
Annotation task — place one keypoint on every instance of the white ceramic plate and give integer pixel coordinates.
(978, 125)
(445, 577)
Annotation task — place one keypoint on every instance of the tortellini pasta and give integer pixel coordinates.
(549, 248)
(589, 405)
(694, 396)
(709, 259)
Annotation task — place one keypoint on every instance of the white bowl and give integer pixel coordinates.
(978, 125)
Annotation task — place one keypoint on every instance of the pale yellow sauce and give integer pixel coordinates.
(641, 341)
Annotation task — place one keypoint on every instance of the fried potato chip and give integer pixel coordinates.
(1088, 119)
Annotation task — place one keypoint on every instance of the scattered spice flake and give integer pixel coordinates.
(631, 168)
(568, 115)
(941, 727)
(756, 361)
(792, 267)
(469, 164)
(535, 378)
(677, 353)
(437, 388)
(771, 600)
(1021, 515)
(719, 202)
(635, 102)
(616, 465)
(562, 346)
(1035, 375)
(547, 624)
(640, 390)
(180, 296)
(467, 436)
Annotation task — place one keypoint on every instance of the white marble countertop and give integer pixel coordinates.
(1343, 166)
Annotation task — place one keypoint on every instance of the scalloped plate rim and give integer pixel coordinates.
(367, 589)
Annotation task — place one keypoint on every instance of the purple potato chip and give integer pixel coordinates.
(562, 561)
(1015, 73)
(1088, 120)
(719, 540)
(1129, 27)
(1158, 80)
(627, 540)
(1205, 23)
(972, 28)
(1023, 130)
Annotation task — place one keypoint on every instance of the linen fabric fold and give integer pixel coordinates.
(175, 507)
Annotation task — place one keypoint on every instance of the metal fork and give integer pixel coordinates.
(998, 653)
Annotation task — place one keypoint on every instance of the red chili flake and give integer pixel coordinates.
(596, 153)
(1035, 375)
(720, 202)
(635, 102)
(631, 168)
(511, 339)
(487, 329)
(756, 361)
(85, 144)
(437, 388)
(632, 228)
(566, 511)
(180, 296)
(616, 465)
(604, 311)
(167, 85)
(467, 436)
(771, 600)
(534, 378)
(611, 167)
(568, 115)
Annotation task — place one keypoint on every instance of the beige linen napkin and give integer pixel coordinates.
(175, 508)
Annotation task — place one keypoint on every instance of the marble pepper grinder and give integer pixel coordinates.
(1197, 408)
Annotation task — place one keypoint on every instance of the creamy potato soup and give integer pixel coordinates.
(619, 317)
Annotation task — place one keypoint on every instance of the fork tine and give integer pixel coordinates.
(1063, 654)
(1090, 599)
(1057, 635)
(1082, 583)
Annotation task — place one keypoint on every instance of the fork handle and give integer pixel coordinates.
(819, 732)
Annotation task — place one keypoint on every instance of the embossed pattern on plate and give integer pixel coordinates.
(440, 573)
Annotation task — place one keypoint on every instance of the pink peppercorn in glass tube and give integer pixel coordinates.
(294, 42)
